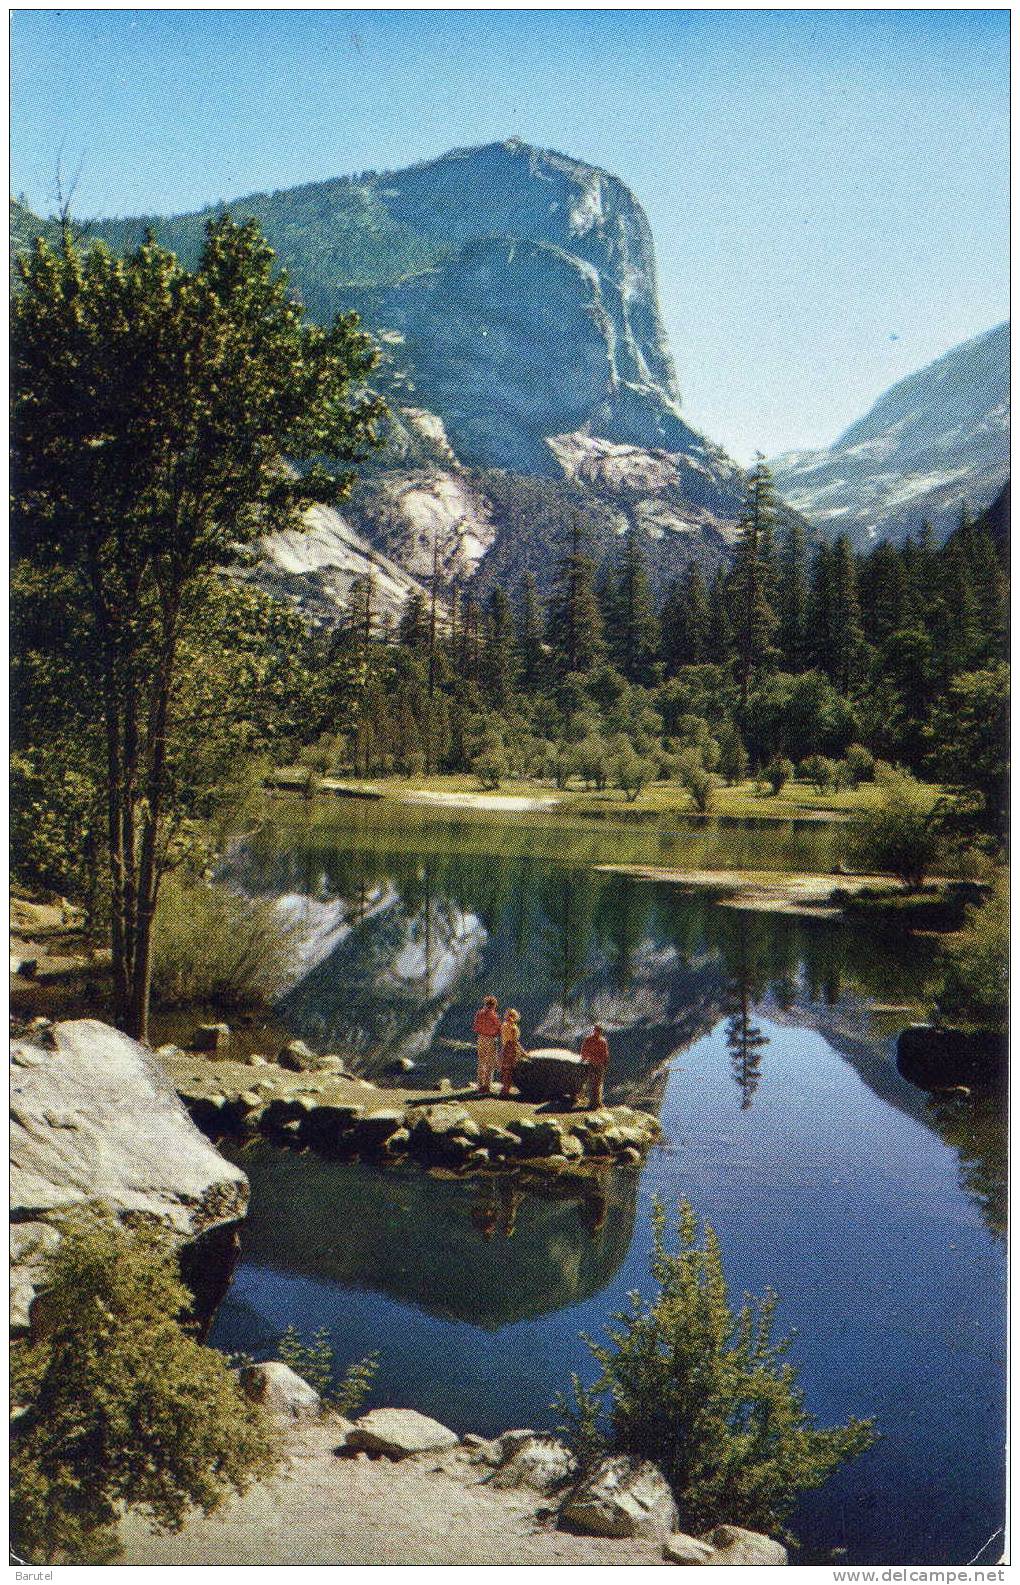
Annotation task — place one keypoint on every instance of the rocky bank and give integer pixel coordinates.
(95, 1121)
(396, 1487)
(312, 1101)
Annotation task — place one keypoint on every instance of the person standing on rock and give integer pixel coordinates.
(595, 1052)
(487, 1028)
(512, 1049)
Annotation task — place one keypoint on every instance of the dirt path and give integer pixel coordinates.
(323, 1510)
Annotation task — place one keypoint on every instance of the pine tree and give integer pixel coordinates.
(635, 641)
(500, 665)
(846, 633)
(719, 646)
(751, 586)
(413, 630)
(686, 621)
(793, 596)
(532, 653)
(575, 628)
(821, 644)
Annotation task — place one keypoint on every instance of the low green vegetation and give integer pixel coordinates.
(974, 993)
(707, 1394)
(121, 1406)
(903, 834)
(315, 1363)
(213, 947)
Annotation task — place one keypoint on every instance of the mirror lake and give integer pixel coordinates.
(766, 1044)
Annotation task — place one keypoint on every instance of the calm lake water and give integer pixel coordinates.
(875, 1211)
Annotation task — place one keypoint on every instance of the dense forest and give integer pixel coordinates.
(794, 652)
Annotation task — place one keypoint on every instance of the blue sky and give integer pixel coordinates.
(828, 190)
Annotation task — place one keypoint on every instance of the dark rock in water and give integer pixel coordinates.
(550, 1075)
(936, 1059)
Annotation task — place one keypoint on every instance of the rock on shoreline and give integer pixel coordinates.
(94, 1121)
(329, 1110)
(397, 1487)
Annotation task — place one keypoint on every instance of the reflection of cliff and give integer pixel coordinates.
(385, 986)
(475, 1250)
(973, 1125)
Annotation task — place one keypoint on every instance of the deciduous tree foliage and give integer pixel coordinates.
(163, 420)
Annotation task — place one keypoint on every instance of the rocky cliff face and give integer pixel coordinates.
(932, 442)
(94, 1122)
(513, 291)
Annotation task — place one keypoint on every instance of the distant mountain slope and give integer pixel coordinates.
(936, 439)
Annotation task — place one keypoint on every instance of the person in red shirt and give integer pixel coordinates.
(487, 1028)
(595, 1051)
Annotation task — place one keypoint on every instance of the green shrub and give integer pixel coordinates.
(819, 771)
(314, 1363)
(733, 758)
(707, 1395)
(632, 773)
(123, 1406)
(975, 984)
(777, 773)
(490, 767)
(695, 779)
(859, 763)
(213, 947)
(902, 834)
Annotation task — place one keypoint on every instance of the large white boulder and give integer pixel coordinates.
(94, 1121)
(281, 1390)
(399, 1433)
(623, 1497)
(541, 1464)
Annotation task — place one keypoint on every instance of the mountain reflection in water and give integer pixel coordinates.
(875, 1209)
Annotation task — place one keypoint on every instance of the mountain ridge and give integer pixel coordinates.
(935, 440)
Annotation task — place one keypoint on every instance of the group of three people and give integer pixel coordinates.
(499, 1042)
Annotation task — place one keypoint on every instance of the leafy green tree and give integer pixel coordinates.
(974, 992)
(902, 834)
(695, 779)
(157, 414)
(819, 771)
(858, 764)
(969, 737)
(751, 585)
(708, 1394)
(123, 1406)
(491, 766)
(778, 772)
(632, 772)
(733, 757)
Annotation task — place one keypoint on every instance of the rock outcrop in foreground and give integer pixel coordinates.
(93, 1120)
(399, 1488)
